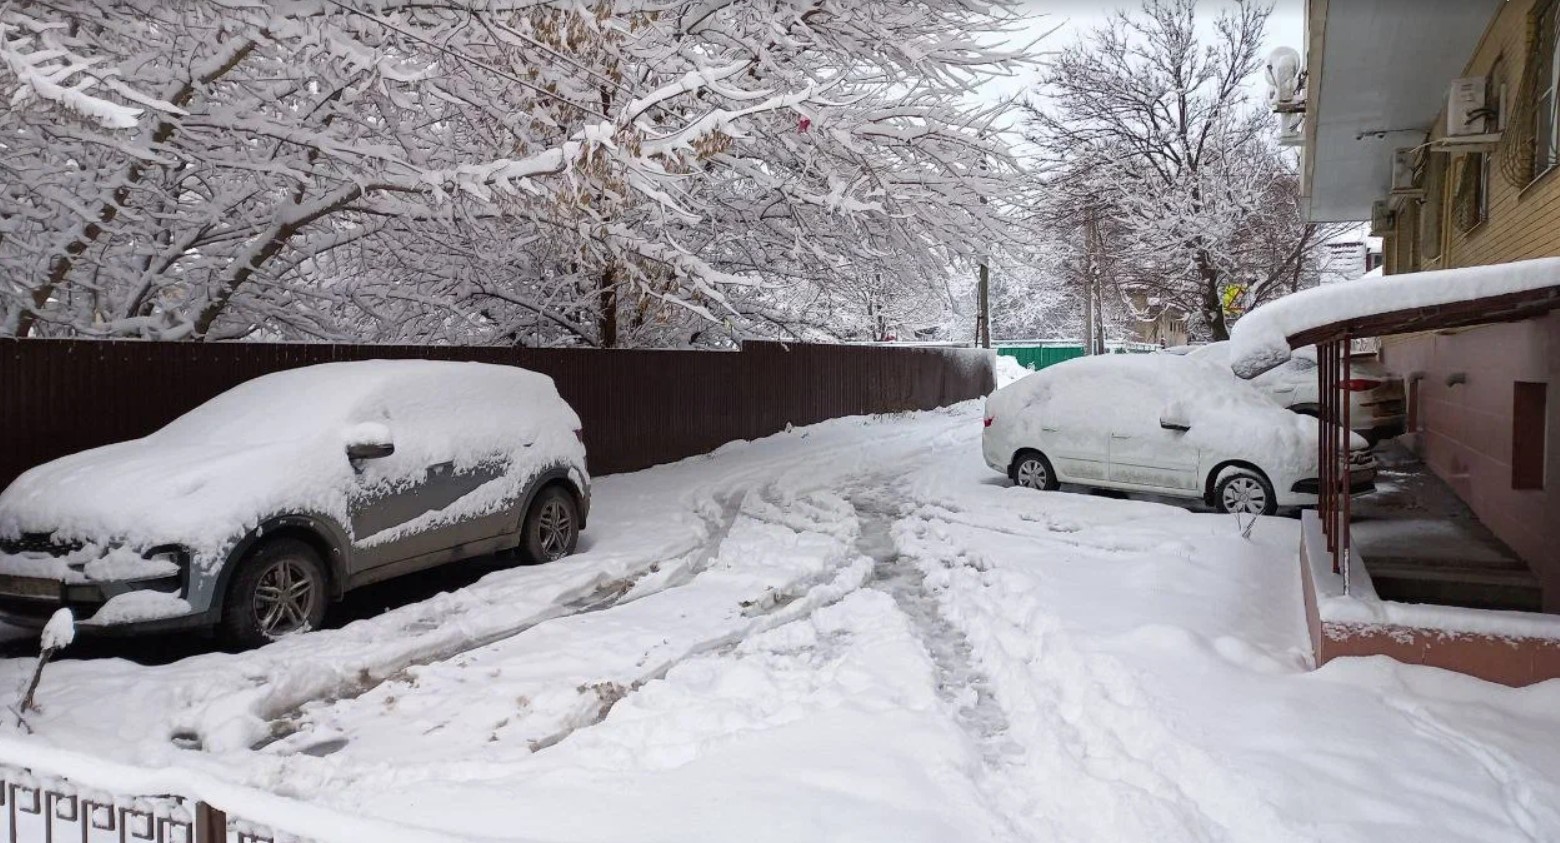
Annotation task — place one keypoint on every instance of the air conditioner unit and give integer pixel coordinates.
(1466, 113)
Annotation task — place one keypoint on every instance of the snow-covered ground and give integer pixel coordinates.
(851, 631)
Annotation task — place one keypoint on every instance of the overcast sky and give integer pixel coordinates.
(1285, 27)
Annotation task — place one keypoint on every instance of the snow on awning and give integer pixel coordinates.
(1394, 304)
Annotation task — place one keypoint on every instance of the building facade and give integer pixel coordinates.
(1439, 121)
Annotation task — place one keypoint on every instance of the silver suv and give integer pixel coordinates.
(251, 512)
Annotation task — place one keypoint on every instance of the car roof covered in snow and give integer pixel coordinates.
(295, 403)
(1118, 380)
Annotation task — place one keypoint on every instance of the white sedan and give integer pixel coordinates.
(1376, 404)
(1159, 424)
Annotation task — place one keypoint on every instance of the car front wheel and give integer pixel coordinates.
(1033, 471)
(279, 590)
(552, 526)
(1245, 492)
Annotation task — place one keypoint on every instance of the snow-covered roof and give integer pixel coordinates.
(1392, 304)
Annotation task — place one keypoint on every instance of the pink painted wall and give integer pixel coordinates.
(1466, 430)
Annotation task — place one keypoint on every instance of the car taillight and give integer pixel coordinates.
(989, 420)
(1360, 384)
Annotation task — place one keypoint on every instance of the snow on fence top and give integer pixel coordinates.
(1260, 340)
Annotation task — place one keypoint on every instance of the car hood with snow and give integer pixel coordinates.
(277, 444)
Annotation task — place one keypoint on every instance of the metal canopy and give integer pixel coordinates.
(1506, 307)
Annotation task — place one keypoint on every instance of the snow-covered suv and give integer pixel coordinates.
(254, 509)
(1162, 424)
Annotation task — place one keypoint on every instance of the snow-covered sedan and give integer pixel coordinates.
(252, 511)
(1161, 424)
(1376, 403)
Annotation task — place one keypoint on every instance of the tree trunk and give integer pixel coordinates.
(607, 301)
(1213, 305)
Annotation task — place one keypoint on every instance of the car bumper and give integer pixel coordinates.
(996, 457)
(28, 599)
(1312, 486)
(1382, 429)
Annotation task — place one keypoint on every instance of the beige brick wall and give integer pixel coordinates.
(1466, 431)
(1524, 221)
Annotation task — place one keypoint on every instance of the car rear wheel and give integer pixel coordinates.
(1245, 492)
(279, 590)
(1033, 471)
(552, 526)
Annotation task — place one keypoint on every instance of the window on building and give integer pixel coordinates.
(1430, 211)
(1546, 143)
(1529, 415)
(1471, 202)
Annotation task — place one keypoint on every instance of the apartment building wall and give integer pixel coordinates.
(1473, 389)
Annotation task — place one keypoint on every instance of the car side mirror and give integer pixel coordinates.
(370, 450)
(1174, 417)
(368, 441)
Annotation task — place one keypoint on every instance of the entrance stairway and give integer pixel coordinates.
(1422, 544)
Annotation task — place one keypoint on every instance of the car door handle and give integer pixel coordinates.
(1121, 436)
(1050, 429)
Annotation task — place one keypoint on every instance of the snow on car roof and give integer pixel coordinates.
(295, 403)
(1260, 339)
(1114, 380)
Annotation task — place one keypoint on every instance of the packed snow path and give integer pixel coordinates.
(852, 631)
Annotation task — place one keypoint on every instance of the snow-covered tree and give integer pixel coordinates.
(1149, 140)
(503, 171)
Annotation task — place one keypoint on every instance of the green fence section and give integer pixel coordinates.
(1037, 356)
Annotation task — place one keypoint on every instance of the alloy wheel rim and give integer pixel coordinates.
(1246, 495)
(1031, 474)
(554, 525)
(283, 599)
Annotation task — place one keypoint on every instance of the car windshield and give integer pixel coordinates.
(281, 407)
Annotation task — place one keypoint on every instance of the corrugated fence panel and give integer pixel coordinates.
(638, 407)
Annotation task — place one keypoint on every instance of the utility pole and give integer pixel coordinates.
(1093, 303)
(983, 318)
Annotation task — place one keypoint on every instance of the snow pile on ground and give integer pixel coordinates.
(1008, 370)
(276, 444)
(1259, 341)
(851, 631)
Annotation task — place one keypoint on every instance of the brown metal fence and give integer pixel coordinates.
(638, 407)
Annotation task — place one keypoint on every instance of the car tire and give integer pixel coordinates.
(1033, 471)
(1244, 491)
(280, 589)
(551, 529)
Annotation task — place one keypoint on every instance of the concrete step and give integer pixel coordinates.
(1475, 584)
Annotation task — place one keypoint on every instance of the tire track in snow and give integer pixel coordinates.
(601, 595)
(566, 674)
(1099, 763)
(960, 683)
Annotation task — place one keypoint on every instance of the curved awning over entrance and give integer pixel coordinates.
(1394, 304)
